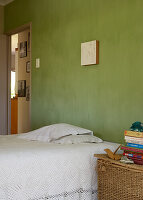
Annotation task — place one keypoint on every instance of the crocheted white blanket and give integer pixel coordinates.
(41, 171)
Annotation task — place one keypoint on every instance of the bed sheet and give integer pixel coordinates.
(31, 170)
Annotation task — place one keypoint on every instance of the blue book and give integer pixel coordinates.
(140, 146)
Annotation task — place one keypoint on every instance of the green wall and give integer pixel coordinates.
(107, 97)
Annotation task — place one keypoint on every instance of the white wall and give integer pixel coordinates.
(23, 105)
(16, 70)
(14, 43)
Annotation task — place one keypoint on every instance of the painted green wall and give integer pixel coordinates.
(107, 97)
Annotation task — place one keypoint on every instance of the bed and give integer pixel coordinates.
(37, 170)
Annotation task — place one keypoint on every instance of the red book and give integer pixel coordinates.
(137, 161)
(132, 155)
(131, 152)
(132, 149)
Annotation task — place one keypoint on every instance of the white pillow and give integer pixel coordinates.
(76, 139)
(55, 131)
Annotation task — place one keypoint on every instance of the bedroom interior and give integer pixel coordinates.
(105, 98)
(85, 71)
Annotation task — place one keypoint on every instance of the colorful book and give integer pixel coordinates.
(130, 152)
(132, 149)
(137, 161)
(134, 134)
(135, 140)
(130, 155)
(140, 146)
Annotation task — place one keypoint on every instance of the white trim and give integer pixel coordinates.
(9, 82)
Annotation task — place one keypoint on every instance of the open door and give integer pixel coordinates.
(3, 86)
(18, 106)
(19, 80)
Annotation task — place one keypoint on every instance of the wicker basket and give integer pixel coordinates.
(117, 181)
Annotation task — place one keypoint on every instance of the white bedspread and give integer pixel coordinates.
(41, 171)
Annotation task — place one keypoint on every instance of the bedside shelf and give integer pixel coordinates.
(118, 181)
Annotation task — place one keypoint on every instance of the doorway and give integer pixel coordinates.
(20, 82)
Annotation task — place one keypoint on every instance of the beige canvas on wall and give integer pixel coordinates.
(90, 53)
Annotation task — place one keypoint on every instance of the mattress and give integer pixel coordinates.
(31, 170)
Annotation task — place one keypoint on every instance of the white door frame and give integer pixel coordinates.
(12, 32)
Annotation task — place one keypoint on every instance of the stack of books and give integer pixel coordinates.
(134, 146)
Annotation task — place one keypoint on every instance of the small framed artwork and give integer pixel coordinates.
(90, 53)
(28, 93)
(23, 49)
(22, 88)
(28, 67)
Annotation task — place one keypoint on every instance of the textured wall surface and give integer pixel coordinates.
(106, 98)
